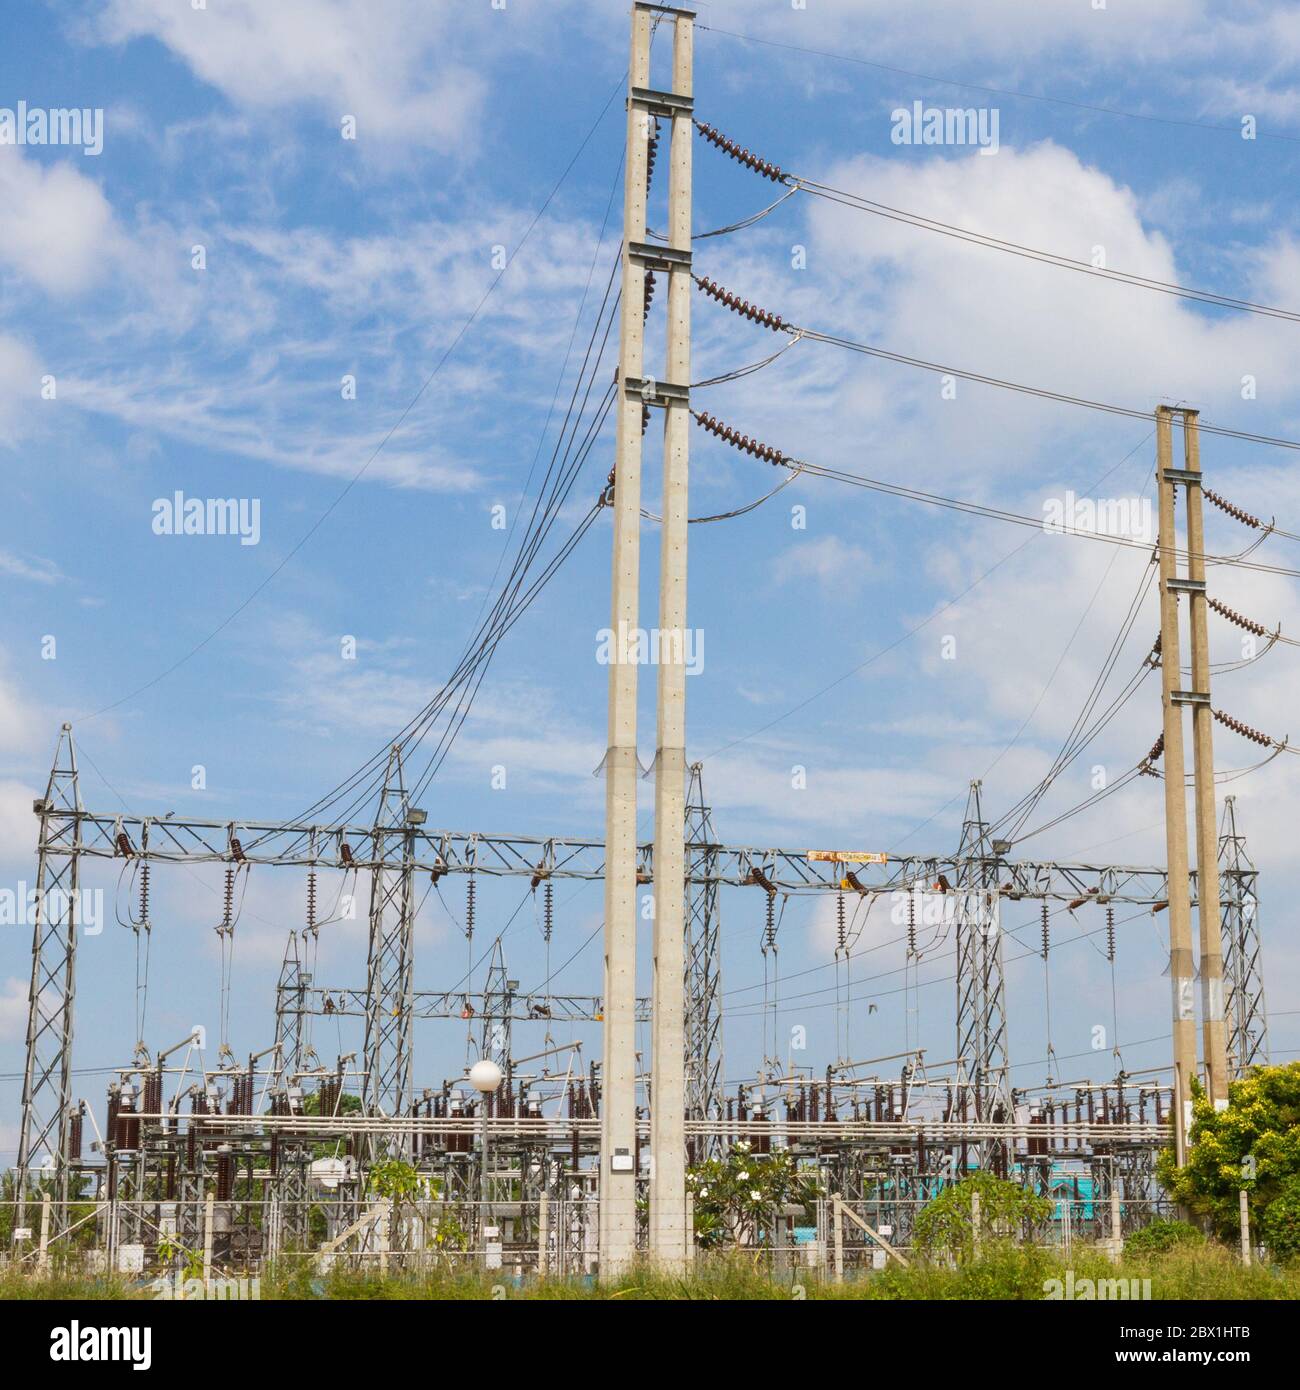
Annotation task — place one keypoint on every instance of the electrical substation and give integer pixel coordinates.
(577, 1157)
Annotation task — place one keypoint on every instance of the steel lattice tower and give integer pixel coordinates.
(389, 982)
(703, 967)
(290, 994)
(1243, 967)
(47, 1074)
(498, 1002)
(289, 1185)
(981, 983)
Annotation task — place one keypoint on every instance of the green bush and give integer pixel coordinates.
(1007, 1210)
(1254, 1144)
(1280, 1224)
(737, 1197)
(1160, 1237)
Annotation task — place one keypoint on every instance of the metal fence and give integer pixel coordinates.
(207, 1240)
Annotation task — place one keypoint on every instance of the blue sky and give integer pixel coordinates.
(328, 258)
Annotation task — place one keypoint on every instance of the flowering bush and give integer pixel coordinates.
(1253, 1144)
(738, 1197)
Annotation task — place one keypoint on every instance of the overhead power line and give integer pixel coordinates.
(378, 449)
(1033, 253)
(859, 203)
(452, 703)
(1041, 392)
(816, 470)
(734, 302)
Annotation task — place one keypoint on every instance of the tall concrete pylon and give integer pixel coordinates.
(669, 1241)
(1181, 968)
(618, 1146)
(1214, 1029)
(670, 1238)
(1174, 698)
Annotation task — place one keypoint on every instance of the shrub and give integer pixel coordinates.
(1253, 1144)
(1160, 1237)
(1280, 1224)
(1006, 1209)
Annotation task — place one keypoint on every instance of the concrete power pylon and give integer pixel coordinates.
(1182, 968)
(669, 1239)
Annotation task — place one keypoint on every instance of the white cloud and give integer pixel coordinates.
(832, 562)
(13, 1008)
(821, 792)
(1007, 30)
(983, 311)
(20, 380)
(56, 226)
(35, 568)
(1194, 42)
(18, 828)
(19, 722)
(387, 65)
(383, 309)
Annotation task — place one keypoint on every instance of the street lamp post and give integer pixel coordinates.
(485, 1077)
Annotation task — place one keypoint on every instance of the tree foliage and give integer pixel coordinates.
(739, 1196)
(946, 1224)
(393, 1177)
(1280, 1223)
(1253, 1144)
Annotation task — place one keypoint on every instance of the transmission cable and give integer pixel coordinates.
(862, 204)
(775, 456)
(357, 476)
(511, 602)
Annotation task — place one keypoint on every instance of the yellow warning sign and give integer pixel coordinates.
(848, 856)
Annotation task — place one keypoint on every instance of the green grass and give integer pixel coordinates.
(1004, 1273)
(24, 1286)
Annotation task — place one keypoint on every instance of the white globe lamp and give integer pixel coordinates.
(486, 1076)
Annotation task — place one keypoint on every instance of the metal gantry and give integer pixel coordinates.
(981, 981)
(47, 1107)
(177, 839)
(1243, 966)
(704, 1097)
(492, 1008)
(978, 880)
(389, 983)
